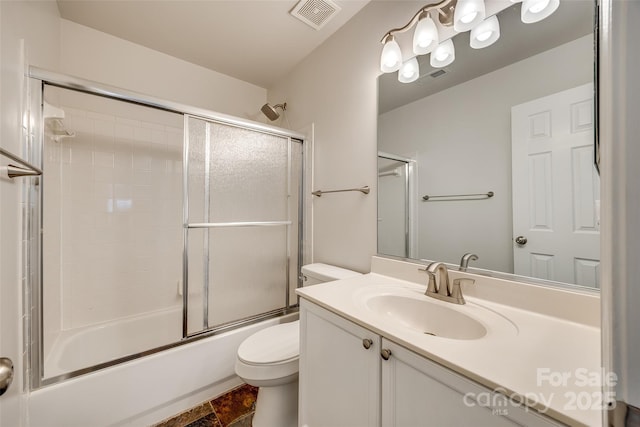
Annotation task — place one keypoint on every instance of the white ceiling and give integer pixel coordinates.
(257, 41)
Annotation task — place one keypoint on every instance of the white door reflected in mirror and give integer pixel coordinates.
(556, 188)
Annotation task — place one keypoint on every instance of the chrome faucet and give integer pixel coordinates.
(439, 286)
(464, 261)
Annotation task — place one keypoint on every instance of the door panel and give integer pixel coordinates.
(556, 189)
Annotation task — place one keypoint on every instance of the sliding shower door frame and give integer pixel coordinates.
(410, 197)
(33, 286)
(288, 223)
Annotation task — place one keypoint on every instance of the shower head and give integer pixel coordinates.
(270, 110)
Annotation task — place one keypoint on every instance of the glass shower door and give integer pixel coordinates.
(111, 230)
(393, 207)
(241, 224)
(149, 226)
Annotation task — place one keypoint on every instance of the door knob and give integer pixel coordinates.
(521, 240)
(6, 374)
(367, 343)
(385, 353)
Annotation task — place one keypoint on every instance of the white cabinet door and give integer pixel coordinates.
(418, 392)
(339, 377)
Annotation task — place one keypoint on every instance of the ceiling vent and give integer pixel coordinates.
(438, 73)
(315, 13)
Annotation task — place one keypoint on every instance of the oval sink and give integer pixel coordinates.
(427, 317)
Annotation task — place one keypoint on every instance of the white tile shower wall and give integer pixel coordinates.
(120, 215)
(51, 243)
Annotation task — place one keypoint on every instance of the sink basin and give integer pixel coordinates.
(427, 317)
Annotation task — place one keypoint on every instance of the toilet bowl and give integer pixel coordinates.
(268, 359)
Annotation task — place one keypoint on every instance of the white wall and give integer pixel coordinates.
(30, 27)
(103, 58)
(335, 88)
(454, 140)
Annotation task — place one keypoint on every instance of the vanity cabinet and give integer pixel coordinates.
(339, 375)
(342, 383)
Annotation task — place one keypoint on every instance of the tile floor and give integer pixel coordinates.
(233, 409)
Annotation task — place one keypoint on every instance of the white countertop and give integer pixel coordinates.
(522, 352)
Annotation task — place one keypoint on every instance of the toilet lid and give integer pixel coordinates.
(275, 344)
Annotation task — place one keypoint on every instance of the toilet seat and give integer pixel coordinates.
(270, 355)
(273, 345)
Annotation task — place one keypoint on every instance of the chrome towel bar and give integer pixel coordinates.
(450, 197)
(363, 190)
(237, 224)
(16, 171)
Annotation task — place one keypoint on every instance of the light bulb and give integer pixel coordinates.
(425, 37)
(485, 33)
(467, 14)
(468, 17)
(539, 6)
(410, 71)
(391, 57)
(484, 36)
(537, 10)
(443, 55)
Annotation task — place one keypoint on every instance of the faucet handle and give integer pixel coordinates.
(464, 281)
(456, 290)
(464, 261)
(431, 286)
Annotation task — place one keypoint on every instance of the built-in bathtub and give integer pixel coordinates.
(145, 390)
(81, 348)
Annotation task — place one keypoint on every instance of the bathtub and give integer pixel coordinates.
(89, 346)
(142, 391)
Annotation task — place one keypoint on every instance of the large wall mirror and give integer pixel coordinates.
(494, 154)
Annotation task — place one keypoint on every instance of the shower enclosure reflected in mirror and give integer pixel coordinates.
(396, 216)
(515, 119)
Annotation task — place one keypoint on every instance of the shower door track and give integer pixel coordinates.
(237, 224)
(35, 360)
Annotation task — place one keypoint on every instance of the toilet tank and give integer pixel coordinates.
(312, 274)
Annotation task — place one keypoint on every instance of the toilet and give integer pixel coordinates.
(268, 359)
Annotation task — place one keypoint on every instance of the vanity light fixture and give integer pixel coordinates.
(443, 55)
(536, 10)
(426, 37)
(409, 71)
(468, 14)
(462, 15)
(391, 58)
(486, 33)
